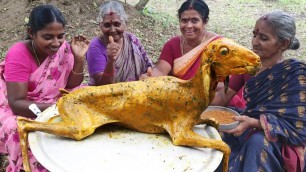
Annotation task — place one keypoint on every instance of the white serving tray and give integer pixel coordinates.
(113, 148)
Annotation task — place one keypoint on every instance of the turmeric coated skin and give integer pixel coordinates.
(154, 105)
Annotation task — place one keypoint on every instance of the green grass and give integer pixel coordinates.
(241, 28)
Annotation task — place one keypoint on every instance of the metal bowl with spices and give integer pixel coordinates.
(223, 115)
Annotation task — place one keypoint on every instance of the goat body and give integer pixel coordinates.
(154, 105)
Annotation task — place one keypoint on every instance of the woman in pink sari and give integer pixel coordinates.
(32, 73)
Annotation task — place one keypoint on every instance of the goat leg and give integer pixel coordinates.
(26, 125)
(192, 139)
(23, 137)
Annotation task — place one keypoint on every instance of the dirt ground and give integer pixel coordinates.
(81, 19)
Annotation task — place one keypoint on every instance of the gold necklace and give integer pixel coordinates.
(182, 42)
(35, 53)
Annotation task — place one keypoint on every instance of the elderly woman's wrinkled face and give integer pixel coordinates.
(265, 42)
(112, 26)
(191, 24)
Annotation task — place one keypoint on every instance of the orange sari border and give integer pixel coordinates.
(182, 64)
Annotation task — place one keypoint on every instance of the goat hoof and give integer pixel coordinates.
(212, 122)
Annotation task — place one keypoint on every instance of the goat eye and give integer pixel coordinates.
(223, 51)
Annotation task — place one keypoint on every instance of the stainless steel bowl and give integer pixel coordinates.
(224, 126)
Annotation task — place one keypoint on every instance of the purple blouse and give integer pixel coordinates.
(97, 59)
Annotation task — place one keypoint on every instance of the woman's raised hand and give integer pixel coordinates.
(79, 47)
(112, 49)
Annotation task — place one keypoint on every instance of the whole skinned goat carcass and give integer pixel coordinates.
(153, 105)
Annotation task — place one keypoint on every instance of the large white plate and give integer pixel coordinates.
(116, 149)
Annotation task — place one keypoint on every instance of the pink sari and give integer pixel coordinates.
(45, 82)
(186, 66)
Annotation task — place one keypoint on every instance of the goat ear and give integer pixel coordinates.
(206, 75)
(213, 53)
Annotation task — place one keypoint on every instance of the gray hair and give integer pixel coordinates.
(284, 26)
(115, 7)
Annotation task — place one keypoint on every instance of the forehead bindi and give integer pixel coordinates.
(111, 17)
(263, 27)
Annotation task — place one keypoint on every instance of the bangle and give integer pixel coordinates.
(33, 107)
(81, 73)
(108, 74)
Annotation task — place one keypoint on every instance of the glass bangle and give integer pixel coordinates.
(77, 73)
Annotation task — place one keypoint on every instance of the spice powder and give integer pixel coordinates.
(223, 117)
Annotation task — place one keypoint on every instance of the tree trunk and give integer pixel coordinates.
(141, 4)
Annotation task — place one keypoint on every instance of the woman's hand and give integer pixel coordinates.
(161, 68)
(112, 49)
(79, 47)
(146, 75)
(245, 123)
